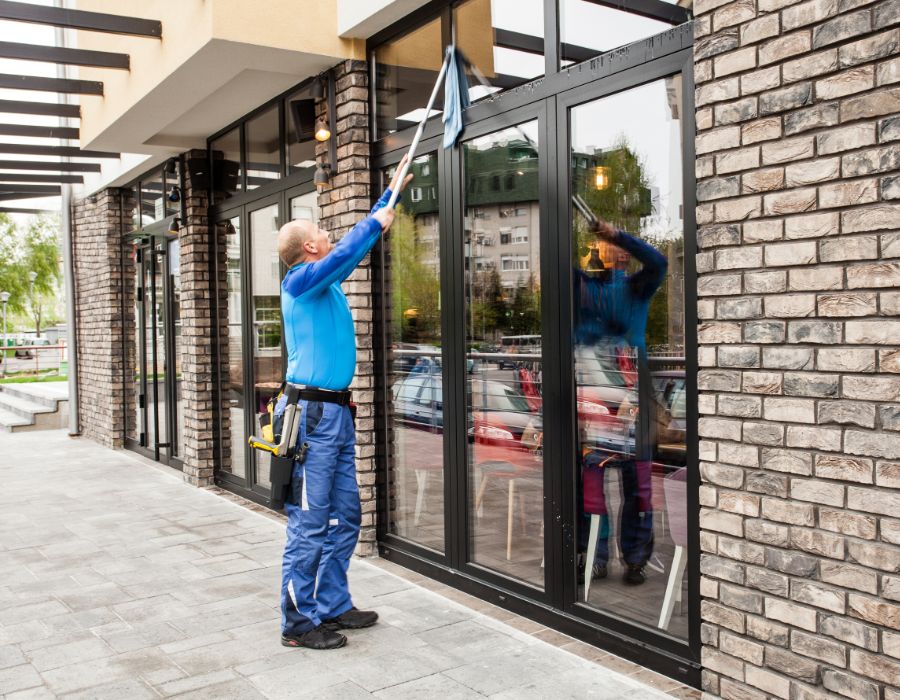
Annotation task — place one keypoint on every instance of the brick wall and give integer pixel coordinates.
(100, 323)
(799, 264)
(346, 202)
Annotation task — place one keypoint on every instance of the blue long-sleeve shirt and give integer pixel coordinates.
(318, 327)
(614, 306)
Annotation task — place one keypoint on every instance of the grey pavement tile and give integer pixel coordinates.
(141, 637)
(213, 657)
(19, 678)
(137, 664)
(77, 599)
(470, 638)
(11, 655)
(193, 642)
(494, 674)
(239, 689)
(32, 611)
(39, 693)
(160, 608)
(23, 632)
(131, 689)
(373, 673)
(274, 662)
(437, 685)
(190, 683)
(83, 620)
(340, 691)
(576, 684)
(308, 674)
(48, 658)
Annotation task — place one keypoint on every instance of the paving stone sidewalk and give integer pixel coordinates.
(117, 580)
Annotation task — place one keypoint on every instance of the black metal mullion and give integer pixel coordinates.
(551, 36)
(247, 345)
(52, 109)
(689, 204)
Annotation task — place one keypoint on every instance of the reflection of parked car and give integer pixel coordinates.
(499, 414)
(512, 345)
(407, 355)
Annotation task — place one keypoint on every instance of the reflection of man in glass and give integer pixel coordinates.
(611, 309)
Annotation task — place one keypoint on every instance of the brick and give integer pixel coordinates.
(819, 492)
(772, 281)
(849, 576)
(877, 388)
(812, 225)
(846, 83)
(769, 682)
(738, 209)
(759, 231)
(873, 332)
(849, 524)
(887, 474)
(886, 14)
(718, 188)
(878, 667)
(849, 249)
(792, 664)
(872, 444)
(717, 567)
(848, 193)
(848, 685)
(812, 279)
(789, 254)
(875, 104)
(716, 44)
(841, 28)
(718, 139)
(759, 80)
(731, 309)
(869, 49)
(764, 27)
(761, 382)
(784, 47)
(849, 631)
(768, 631)
(722, 616)
(809, 384)
(738, 455)
(790, 461)
(874, 611)
(767, 483)
(888, 72)
(873, 275)
(735, 161)
(815, 332)
(764, 332)
(766, 130)
(847, 413)
(865, 499)
(790, 512)
(763, 434)
(787, 150)
(790, 613)
(741, 648)
(735, 62)
(812, 172)
(847, 304)
(787, 358)
(818, 648)
(875, 160)
(712, 236)
(762, 181)
(845, 138)
(729, 523)
(786, 98)
(810, 66)
(817, 117)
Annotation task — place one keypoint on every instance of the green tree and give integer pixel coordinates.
(416, 288)
(525, 310)
(34, 250)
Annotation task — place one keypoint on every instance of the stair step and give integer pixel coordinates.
(10, 421)
(47, 393)
(23, 407)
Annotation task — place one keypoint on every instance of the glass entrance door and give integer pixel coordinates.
(157, 429)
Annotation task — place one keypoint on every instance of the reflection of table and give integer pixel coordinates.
(504, 463)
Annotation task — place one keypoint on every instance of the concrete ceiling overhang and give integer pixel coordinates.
(215, 86)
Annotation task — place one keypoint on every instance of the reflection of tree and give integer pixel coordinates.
(525, 309)
(416, 288)
(488, 306)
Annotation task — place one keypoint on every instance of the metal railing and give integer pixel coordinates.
(20, 361)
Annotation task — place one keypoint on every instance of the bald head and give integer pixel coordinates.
(295, 239)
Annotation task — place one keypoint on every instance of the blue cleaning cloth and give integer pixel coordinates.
(456, 98)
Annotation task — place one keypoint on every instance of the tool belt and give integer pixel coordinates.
(279, 432)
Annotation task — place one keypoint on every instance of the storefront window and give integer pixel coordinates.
(153, 199)
(265, 286)
(416, 423)
(504, 40)
(231, 356)
(263, 149)
(628, 299)
(301, 154)
(588, 28)
(225, 152)
(405, 71)
(504, 360)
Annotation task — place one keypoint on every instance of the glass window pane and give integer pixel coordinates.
(263, 149)
(416, 418)
(233, 404)
(225, 152)
(629, 355)
(153, 200)
(503, 352)
(268, 371)
(305, 207)
(405, 71)
(504, 39)
(588, 28)
(300, 155)
(175, 306)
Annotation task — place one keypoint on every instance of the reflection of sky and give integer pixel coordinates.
(641, 116)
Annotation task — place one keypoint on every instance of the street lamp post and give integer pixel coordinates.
(4, 298)
(32, 276)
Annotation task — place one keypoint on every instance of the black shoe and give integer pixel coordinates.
(634, 575)
(599, 571)
(353, 619)
(317, 638)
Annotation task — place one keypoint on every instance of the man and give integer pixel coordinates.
(611, 312)
(324, 519)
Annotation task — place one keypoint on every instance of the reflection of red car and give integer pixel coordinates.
(500, 415)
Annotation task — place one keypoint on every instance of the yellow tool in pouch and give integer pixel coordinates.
(279, 440)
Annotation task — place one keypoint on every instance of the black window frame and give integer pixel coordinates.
(667, 54)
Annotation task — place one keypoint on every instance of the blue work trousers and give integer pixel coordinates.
(323, 523)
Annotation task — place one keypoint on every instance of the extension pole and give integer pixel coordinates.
(415, 142)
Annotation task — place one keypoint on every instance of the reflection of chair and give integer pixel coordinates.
(499, 469)
(675, 488)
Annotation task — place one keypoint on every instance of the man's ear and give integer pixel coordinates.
(310, 247)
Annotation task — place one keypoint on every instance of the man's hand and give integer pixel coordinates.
(385, 217)
(604, 231)
(407, 179)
